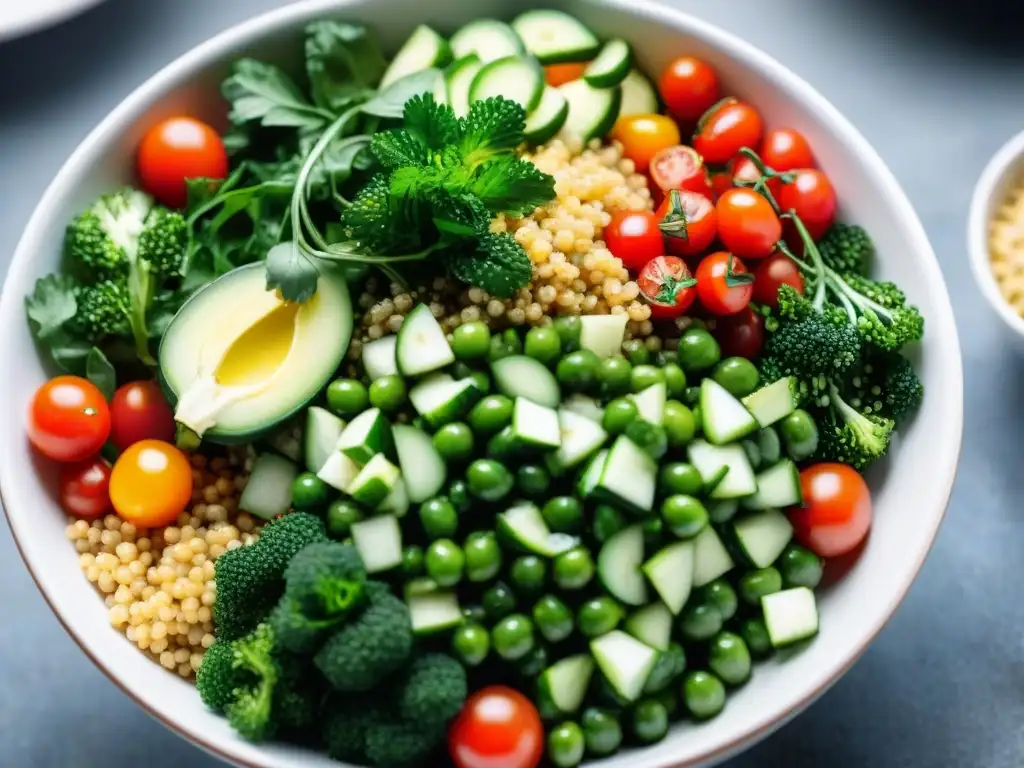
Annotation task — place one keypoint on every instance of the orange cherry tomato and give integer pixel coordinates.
(680, 167)
(724, 286)
(644, 136)
(689, 87)
(151, 483)
(560, 74)
(667, 286)
(813, 199)
(771, 274)
(85, 488)
(786, 149)
(747, 224)
(69, 419)
(139, 411)
(836, 514)
(497, 728)
(725, 129)
(688, 221)
(179, 148)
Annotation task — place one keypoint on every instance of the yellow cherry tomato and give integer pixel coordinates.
(644, 136)
(151, 483)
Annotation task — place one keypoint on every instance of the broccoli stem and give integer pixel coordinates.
(140, 296)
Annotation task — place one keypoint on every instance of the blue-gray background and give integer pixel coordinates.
(935, 91)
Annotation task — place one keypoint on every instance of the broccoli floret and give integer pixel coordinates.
(346, 721)
(847, 248)
(297, 696)
(879, 311)
(104, 310)
(250, 712)
(217, 677)
(400, 745)
(814, 346)
(851, 437)
(886, 385)
(370, 647)
(104, 238)
(162, 242)
(433, 691)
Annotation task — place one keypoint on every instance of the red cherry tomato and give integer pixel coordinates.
(85, 489)
(771, 274)
(740, 335)
(560, 74)
(179, 148)
(680, 167)
(724, 286)
(634, 237)
(139, 411)
(720, 184)
(747, 224)
(497, 728)
(151, 483)
(812, 197)
(68, 420)
(667, 286)
(786, 149)
(644, 136)
(725, 129)
(688, 221)
(836, 513)
(689, 87)
(743, 169)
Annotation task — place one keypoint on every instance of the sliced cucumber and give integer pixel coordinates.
(440, 399)
(287, 440)
(397, 503)
(624, 661)
(535, 425)
(584, 406)
(441, 91)
(722, 510)
(379, 358)
(338, 471)
(323, 430)
(581, 438)
(652, 625)
(790, 616)
(379, 542)
(670, 572)
(522, 376)
(434, 612)
(774, 402)
(525, 525)
(778, 486)
(458, 78)
(268, 492)
(710, 460)
(592, 111)
(489, 39)
(638, 95)
(723, 417)
(554, 36)
(548, 117)
(603, 334)
(650, 403)
(763, 536)
(366, 435)
(565, 683)
(611, 65)
(710, 557)
(423, 469)
(591, 476)
(424, 49)
(375, 481)
(629, 477)
(422, 345)
(618, 566)
(516, 78)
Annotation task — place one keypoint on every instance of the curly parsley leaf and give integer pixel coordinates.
(512, 185)
(493, 126)
(399, 148)
(263, 93)
(291, 271)
(497, 264)
(434, 125)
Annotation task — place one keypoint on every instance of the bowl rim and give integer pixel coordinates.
(252, 30)
(982, 200)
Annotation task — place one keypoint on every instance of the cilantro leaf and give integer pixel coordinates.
(291, 271)
(343, 62)
(262, 93)
(493, 126)
(497, 264)
(435, 125)
(512, 185)
(51, 304)
(398, 148)
(100, 372)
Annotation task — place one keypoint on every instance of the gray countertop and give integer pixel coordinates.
(935, 92)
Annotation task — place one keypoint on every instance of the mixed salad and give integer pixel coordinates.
(490, 405)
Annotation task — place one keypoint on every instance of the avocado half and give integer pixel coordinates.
(237, 360)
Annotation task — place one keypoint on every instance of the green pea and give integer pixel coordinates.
(755, 633)
(474, 613)
(341, 516)
(649, 437)
(800, 434)
(756, 584)
(504, 446)
(680, 477)
(533, 480)
(675, 379)
(543, 344)
(698, 350)
(684, 515)
(680, 426)
(458, 495)
(563, 514)
(347, 397)
(498, 601)
(568, 330)
(500, 348)
(445, 562)
(654, 533)
(738, 375)
(721, 594)
(553, 619)
(664, 357)
(471, 643)
(769, 445)
(598, 616)
(668, 668)
(533, 663)
(488, 480)
(645, 376)
(471, 341)
(388, 393)
(574, 569)
(607, 522)
(412, 561)
(703, 694)
(723, 510)
(483, 556)
(460, 370)
(615, 374)
(636, 352)
(566, 745)
(670, 701)
(692, 396)
(529, 574)
(578, 370)
(481, 382)
(454, 441)
(729, 658)
(650, 721)
(800, 567)
(602, 732)
(753, 451)
(309, 492)
(438, 518)
(618, 415)
(512, 637)
(700, 619)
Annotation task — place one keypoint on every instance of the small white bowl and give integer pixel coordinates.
(910, 492)
(1004, 171)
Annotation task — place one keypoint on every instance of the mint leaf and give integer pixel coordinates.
(512, 185)
(498, 264)
(493, 126)
(51, 304)
(390, 102)
(435, 125)
(263, 93)
(291, 271)
(459, 215)
(343, 62)
(100, 372)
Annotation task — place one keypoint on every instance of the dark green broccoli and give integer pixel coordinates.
(432, 691)
(218, 677)
(400, 745)
(851, 437)
(297, 697)
(813, 346)
(250, 711)
(103, 310)
(162, 242)
(886, 385)
(346, 721)
(370, 646)
(847, 249)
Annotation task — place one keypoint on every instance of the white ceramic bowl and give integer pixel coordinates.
(1004, 170)
(910, 499)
